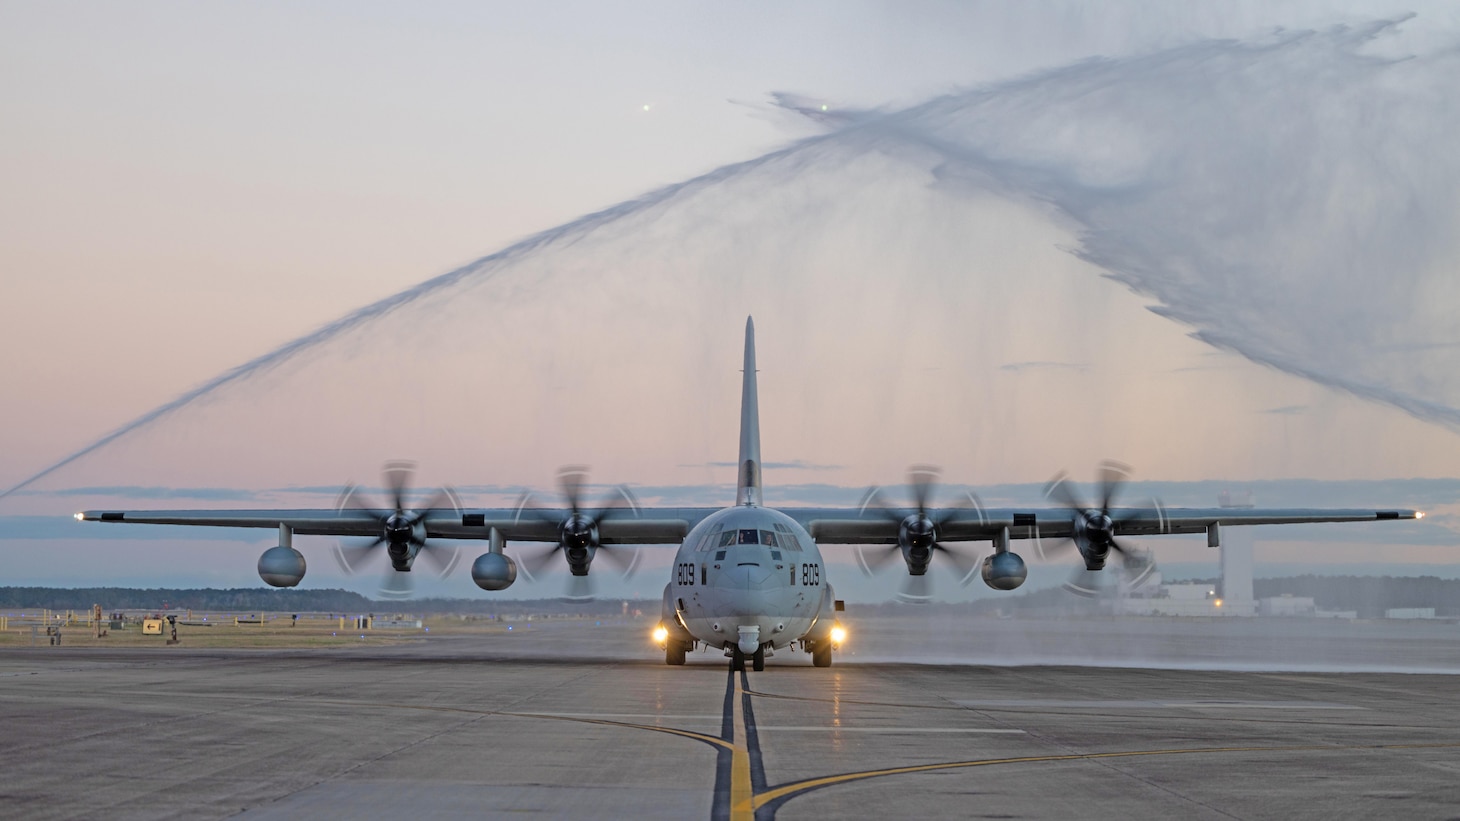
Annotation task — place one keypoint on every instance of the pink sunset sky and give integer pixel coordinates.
(988, 252)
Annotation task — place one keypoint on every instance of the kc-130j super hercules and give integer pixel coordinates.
(747, 579)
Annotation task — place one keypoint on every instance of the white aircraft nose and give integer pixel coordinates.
(746, 576)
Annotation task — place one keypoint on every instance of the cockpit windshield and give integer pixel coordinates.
(749, 536)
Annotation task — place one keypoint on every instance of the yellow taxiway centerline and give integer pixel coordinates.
(742, 797)
(814, 783)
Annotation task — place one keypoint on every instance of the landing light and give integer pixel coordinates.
(81, 517)
(838, 634)
(1418, 514)
(660, 634)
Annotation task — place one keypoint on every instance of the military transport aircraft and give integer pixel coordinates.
(747, 579)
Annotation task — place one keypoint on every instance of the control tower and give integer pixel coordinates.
(1237, 544)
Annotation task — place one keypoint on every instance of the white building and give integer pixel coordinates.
(1287, 605)
(1410, 613)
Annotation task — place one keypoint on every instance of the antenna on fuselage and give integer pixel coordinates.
(747, 490)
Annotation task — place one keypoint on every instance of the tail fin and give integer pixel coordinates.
(748, 485)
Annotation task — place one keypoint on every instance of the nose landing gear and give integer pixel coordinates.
(737, 659)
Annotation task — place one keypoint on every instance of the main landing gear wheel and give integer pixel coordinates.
(821, 654)
(674, 652)
(757, 662)
(737, 660)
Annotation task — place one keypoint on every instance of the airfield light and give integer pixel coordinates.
(1219, 602)
(660, 634)
(838, 634)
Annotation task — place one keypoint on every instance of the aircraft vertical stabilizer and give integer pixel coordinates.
(748, 484)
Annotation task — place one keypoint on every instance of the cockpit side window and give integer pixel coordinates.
(727, 538)
(748, 536)
(709, 539)
(790, 542)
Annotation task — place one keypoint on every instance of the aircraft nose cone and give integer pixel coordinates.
(748, 638)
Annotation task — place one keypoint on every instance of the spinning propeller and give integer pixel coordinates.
(1095, 529)
(402, 532)
(917, 538)
(578, 537)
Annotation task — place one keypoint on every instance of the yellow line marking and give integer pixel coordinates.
(813, 783)
(744, 801)
(742, 797)
(708, 739)
(438, 708)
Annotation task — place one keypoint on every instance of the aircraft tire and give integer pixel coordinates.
(757, 662)
(821, 656)
(737, 660)
(674, 653)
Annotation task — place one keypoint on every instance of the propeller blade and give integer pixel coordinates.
(1138, 566)
(921, 479)
(580, 589)
(619, 557)
(397, 585)
(619, 502)
(534, 514)
(969, 502)
(961, 561)
(1059, 491)
(916, 590)
(1112, 476)
(522, 568)
(535, 563)
(1056, 548)
(875, 501)
(1085, 583)
(397, 477)
(442, 499)
(571, 481)
(442, 558)
(874, 560)
(353, 556)
(1140, 575)
(353, 499)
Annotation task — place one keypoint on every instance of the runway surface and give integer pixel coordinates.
(577, 720)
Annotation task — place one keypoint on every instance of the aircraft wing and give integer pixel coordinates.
(651, 526)
(826, 525)
(845, 526)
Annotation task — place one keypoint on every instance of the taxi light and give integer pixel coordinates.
(660, 634)
(838, 634)
(81, 517)
(1419, 514)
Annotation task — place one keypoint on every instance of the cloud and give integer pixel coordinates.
(1324, 248)
(140, 492)
(1020, 367)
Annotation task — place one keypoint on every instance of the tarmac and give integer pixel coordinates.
(584, 720)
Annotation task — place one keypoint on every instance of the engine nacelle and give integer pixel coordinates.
(494, 571)
(1004, 571)
(281, 566)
